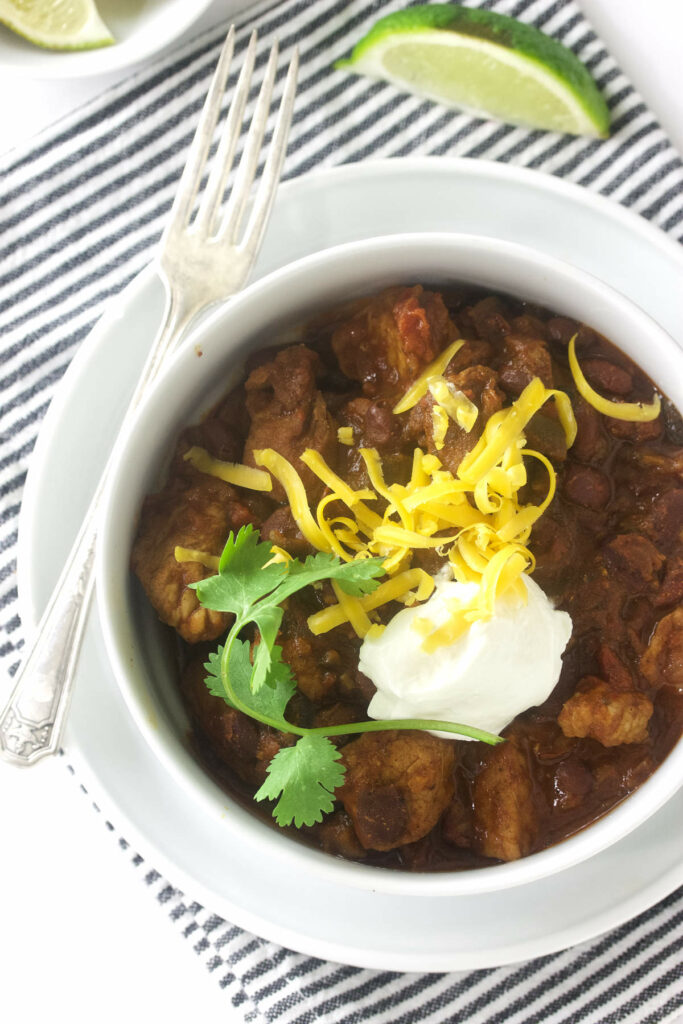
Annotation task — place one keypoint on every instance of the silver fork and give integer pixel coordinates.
(202, 260)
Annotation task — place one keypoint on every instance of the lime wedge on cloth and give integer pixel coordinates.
(56, 24)
(487, 64)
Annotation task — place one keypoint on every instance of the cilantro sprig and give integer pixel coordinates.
(255, 680)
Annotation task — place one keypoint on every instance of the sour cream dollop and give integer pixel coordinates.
(497, 669)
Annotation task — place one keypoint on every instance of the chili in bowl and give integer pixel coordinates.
(409, 512)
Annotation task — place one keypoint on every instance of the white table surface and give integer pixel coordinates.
(68, 948)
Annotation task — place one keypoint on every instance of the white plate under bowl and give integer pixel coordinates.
(140, 27)
(112, 758)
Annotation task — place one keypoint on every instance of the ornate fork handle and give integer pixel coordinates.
(201, 263)
(31, 721)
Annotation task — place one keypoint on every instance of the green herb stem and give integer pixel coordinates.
(380, 725)
(280, 724)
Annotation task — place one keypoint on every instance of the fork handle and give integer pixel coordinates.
(32, 720)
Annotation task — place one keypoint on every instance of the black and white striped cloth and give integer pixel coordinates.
(80, 211)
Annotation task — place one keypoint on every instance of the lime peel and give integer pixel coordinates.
(488, 64)
(56, 24)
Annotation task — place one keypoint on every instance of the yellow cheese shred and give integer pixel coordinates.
(439, 426)
(415, 582)
(293, 486)
(191, 555)
(373, 465)
(634, 412)
(353, 610)
(279, 556)
(474, 518)
(454, 403)
(418, 389)
(345, 435)
(231, 472)
(316, 463)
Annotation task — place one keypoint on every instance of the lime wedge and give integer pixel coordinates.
(56, 24)
(487, 64)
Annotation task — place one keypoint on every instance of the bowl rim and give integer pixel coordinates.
(627, 815)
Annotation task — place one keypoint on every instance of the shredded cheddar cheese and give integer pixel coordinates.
(473, 518)
(418, 389)
(345, 435)
(408, 587)
(279, 556)
(293, 486)
(454, 403)
(439, 426)
(231, 472)
(353, 610)
(635, 412)
(191, 555)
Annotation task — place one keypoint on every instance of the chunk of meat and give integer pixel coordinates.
(458, 825)
(505, 817)
(634, 560)
(242, 743)
(475, 352)
(523, 359)
(673, 422)
(200, 517)
(597, 605)
(397, 786)
(489, 319)
(665, 521)
(571, 783)
(289, 414)
(339, 714)
(621, 771)
(281, 528)
(610, 716)
(613, 669)
(545, 434)
(664, 465)
(587, 487)
(337, 836)
(590, 444)
(222, 433)
(662, 662)
(388, 339)
(557, 543)
(480, 385)
(316, 679)
(325, 667)
(671, 590)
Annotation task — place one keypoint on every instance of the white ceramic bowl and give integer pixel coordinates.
(211, 362)
(141, 28)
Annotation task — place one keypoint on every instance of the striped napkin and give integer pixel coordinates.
(81, 209)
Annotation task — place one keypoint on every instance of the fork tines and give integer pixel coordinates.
(208, 220)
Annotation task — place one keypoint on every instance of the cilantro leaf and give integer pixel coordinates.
(304, 777)
(214, 679)
(243, 575)
(271, 700)
(268, 619)
(357, 577)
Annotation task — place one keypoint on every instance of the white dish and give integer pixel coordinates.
(140, 27)
(111, 757)
(210, 365)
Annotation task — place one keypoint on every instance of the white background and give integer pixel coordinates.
(73, 947)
